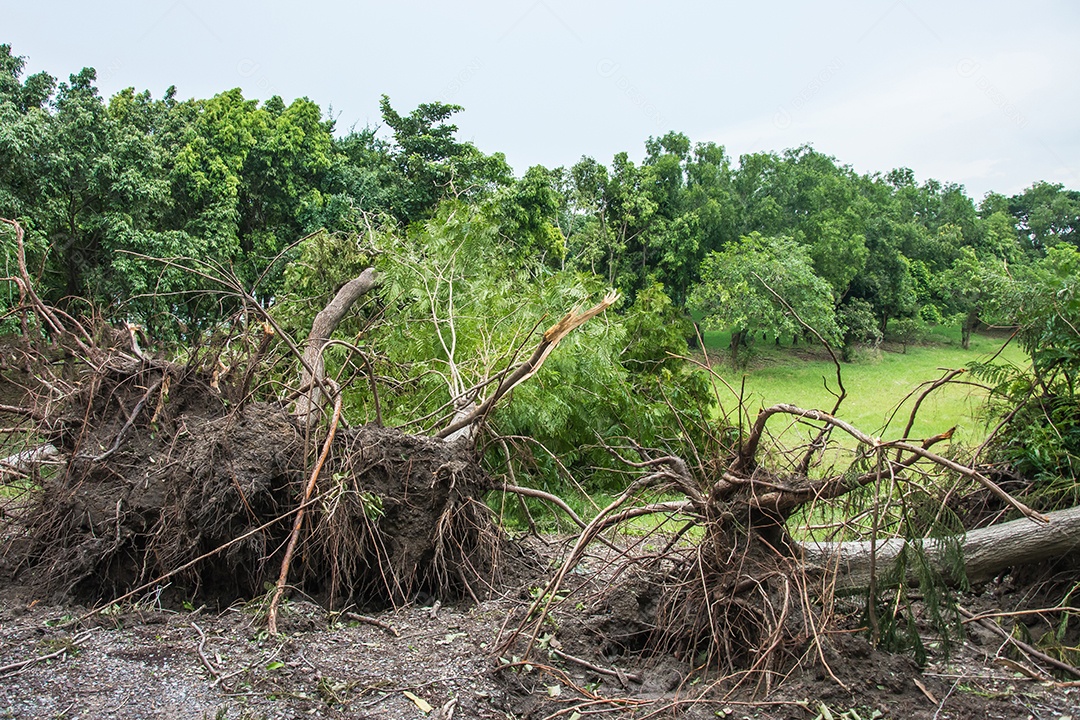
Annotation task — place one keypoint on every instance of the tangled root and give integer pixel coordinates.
(163, 470)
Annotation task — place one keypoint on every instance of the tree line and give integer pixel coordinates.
(100, 183)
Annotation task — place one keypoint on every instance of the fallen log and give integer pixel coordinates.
(22, 462)
(985, 552)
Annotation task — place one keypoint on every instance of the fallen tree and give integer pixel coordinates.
(174, 473)
(743, 591)
(983, 553)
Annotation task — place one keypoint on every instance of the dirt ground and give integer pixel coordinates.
(142, 660)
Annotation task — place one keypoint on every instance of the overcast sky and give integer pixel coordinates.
(986, 94)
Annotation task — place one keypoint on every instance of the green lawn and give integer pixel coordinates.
(876, 386)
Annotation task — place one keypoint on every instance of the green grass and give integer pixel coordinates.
(876, 385)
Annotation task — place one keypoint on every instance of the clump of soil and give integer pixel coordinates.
(162, 470)
(401, 516)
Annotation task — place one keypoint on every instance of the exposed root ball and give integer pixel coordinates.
(745, 616)
(163, 471)
(733, 602)
(402, 516)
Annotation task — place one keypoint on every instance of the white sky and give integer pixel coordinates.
(982, 93)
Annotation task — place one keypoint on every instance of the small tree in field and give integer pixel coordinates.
(741, 287)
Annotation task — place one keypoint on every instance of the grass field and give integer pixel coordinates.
(876, 385)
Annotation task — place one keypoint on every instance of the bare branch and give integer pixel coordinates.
(527, 369)
(321, 329)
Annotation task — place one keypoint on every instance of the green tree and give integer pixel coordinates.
(751, 285)
(527, 214)
(1038, 407)
(1047, 214)
(858, 327)
(839, 255)
(431, 164)
(886, 282)
(971, 284)
(24, 130)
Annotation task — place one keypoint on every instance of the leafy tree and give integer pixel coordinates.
(858, 327)
(462, 314)
(1047, 214)
(711, 197)
(80, 171)
(1039, 407)
(839, 255)
(361, 179)
(906, 331)
(695, 210)
(998, 238)
(751, 285)
(629, 212)
(886, 282)
(527, 214)
(970, 285)
(431, 164)
(24, 123)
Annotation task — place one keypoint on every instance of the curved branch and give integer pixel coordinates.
(548, 497)
(930, 387)
(752, 442)
(321, 329)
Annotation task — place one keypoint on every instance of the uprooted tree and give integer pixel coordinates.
(748, 594)
(754, 598)
(170, 471)
(154, 472)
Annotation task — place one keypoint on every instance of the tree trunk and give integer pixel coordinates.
(23, 462)
(307, 407)
(986, 551)
(737, 340)
(971, 321)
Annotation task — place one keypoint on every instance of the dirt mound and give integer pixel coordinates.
(162, 469)
(401, 516)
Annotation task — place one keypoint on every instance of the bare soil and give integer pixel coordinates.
(141, 660)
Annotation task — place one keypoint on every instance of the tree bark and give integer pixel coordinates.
(307, 407)
(23, 462)
(985, 552)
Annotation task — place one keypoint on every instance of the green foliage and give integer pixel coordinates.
(969, 287)
(898, 626)
(451, 296)
(429, 164)
(461, 315)
(527, 214)
(1041, 436)
(907, 331)
(858, 327)
(109, 189)
(324, 262)
(1046, 214)
(751, 285)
